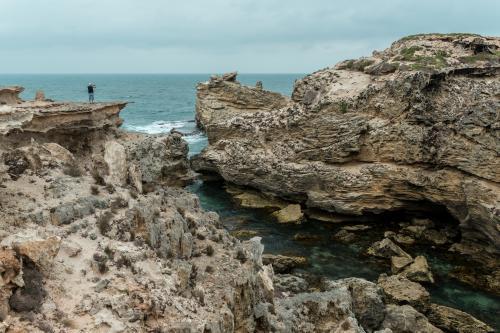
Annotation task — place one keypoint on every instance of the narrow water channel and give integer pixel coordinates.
(334, 260)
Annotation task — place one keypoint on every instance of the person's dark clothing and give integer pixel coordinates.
(90, 89)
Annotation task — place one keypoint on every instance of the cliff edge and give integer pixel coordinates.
(415, 126)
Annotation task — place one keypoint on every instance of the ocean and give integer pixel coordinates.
(160, 102)
(157, 102)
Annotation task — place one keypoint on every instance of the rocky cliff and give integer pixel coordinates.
(415, 126)
(100, 237)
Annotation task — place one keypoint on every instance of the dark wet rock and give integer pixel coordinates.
(386, 249)
(456, 321)
(344, 236)
(306, 237)
(284, 264)
(435, 236)
(31, 296)
(358, 227)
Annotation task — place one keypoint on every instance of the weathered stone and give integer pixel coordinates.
(386, 249)
(398, 263)
(116, 158)
(344, 236)
(405, 319)
(252, 200)
(400, 290)
(351, 143)
(283, 264)
(418, 271)
(40, 250)
(289, 214)
(456, 321)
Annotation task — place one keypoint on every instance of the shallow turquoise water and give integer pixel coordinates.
(336, 260)
(162, 102)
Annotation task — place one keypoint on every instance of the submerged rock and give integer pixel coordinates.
(283, 264)
(289, 214)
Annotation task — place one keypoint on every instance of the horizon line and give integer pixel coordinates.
(166, 73)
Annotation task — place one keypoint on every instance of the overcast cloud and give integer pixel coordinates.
(208, 36)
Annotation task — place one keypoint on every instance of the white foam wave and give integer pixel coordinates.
(157, 127)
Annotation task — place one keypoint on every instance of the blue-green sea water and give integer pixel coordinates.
(160, 102)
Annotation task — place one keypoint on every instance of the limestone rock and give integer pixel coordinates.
(10, 95)
(386, 249)
(418, 271)
(116, 158)
(357, 139)
(289, 214)
(398, 263)
(405, 319)
(456, 321)
(41, 250)
(253, 200)
(400, 290)
(283, 264)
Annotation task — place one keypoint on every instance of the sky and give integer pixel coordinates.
(215, 36)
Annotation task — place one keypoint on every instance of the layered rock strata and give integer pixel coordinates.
(412, 127)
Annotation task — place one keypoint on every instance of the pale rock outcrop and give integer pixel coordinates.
(289, 214)
(418, 271)
(40, 250)
(410, 127)
(399, 290)
(10, 95)
(405, 319)
(224, 97)
(116, 158)
(456, 321)
(386, 249)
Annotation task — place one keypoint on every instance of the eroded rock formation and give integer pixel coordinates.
(412, 127)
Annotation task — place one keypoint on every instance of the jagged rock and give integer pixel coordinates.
(283, 264)
(399, 290)
(135, 177)
(405, 319)
(403, 239)
(398, 263)
(456, 321)
(290, 283)
(116, 159)
(10, 95)
(418, 271)
(353, 143)
(289, 214)
(252, 200)
(40, 250)
(367, 302)
(161, 159)
(381, 68)
(386, 249)
(435, 236)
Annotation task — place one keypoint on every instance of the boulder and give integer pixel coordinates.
(386, 249)
(399, 290)
(289, 214)
(344, 236)
(283, 264)
(405, 319)
(418, 271)
(39, 249)
(456, 321)
(398, 263)
(254, 200)
(116, 159)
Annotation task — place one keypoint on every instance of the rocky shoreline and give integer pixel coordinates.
(410, 128)
(98, 234)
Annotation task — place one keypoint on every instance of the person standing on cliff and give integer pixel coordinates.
(90, 89)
